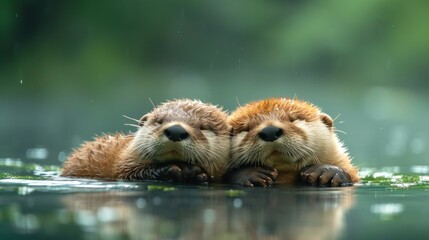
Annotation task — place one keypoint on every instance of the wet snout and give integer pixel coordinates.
(270, 133)
(176, 133)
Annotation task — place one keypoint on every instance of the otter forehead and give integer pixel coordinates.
(192, 112)
(282, 109)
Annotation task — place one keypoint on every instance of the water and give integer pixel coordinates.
(60, 86)
(36, 203)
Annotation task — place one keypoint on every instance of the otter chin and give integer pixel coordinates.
(182, 140)
(286, 141)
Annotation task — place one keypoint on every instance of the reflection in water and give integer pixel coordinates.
(281, 213)
(37, 207)
(387, 210)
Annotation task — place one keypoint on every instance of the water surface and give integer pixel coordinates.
(35, 203)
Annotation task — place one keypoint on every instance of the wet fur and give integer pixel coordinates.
(308, 139)
(139, 155)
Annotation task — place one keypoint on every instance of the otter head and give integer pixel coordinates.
(184, 130)
(279, 133)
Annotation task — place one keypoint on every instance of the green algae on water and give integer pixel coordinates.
(234, 193)
(160, 188)
(15, 176)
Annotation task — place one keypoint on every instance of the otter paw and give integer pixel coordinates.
(325, 175)
(253, 176)
(182, 172)
(193, 174)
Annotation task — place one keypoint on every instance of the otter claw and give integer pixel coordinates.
(325, 175)
(252, 176)
(201, 178)
(182, 172)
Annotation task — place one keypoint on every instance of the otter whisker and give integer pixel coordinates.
(269, 127)
(339, 114)
(238, 102)
(340, 131)
(150, 100)
(130, 118)
(135, 156)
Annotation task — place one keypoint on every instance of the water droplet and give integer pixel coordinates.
(85, 218)
(62, 156)
(21, 81)
(209, 215)
(419, 169)
(387, 209)
(107, 214)
(141, 203)
(237, 203)
(37, 153)
(11, 162)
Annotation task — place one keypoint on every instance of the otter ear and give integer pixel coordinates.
(326, 119)
(143, 120)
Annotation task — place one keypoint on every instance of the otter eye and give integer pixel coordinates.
(245, 128)
(205, 127)
(294, 118)
(159, 120)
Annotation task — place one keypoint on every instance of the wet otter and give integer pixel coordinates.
(182, 140)
(286, 141)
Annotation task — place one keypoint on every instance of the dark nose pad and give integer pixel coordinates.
(270, 133)
(176, 133)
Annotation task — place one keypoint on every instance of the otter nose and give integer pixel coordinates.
(176, 133)
(270, 133)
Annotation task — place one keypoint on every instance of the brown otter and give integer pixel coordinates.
(182, 140)
(286, 141)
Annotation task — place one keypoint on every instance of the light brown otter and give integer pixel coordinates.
(182, 140)
(286, 141)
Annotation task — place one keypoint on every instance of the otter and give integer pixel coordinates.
(286, 141)
(182, 140)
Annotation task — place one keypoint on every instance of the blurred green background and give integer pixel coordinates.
(71, 69)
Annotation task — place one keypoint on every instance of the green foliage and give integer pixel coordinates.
(94, 44)
(71, 69)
